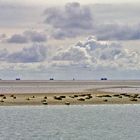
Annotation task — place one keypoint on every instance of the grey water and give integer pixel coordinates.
(95, 122)
(24, 86)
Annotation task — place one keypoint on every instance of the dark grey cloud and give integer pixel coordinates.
(117, 31)
(28, 36)
(3, 54)
(35, 53)
(70, 20)
(100, 20)
(35, 36)
(106, 21)
(17, 38)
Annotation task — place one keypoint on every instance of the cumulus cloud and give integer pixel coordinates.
(35, 53)
(74, 53)
(27, 36)
(70, 20)
(93, 53)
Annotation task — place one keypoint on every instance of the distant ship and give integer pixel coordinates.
(17, 78)
(51, 78)
(103, 78)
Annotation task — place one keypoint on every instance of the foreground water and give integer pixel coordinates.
(98, 122)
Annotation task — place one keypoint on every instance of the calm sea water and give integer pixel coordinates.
(58, 86)
(98, 122)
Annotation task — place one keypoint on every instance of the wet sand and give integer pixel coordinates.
(81, 98)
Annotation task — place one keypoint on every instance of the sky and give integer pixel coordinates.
(50, 2)
(85, 40)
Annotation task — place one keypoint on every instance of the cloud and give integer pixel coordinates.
(36, 53)
(83, 20)
(114, 31)
(17, 38)
(27, 36)
(92, 53)
(33, 54)
(2, 36)
(87, 59)
(74, 53)
(88, 54)
(3, 54)
(70, 20)
(35, 36)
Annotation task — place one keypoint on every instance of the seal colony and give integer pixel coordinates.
(81, 98)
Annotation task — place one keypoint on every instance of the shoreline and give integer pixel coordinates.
(93, 97)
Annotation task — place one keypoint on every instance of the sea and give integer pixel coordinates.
(77, 122)
(28, 86)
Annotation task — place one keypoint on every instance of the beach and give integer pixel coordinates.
(68, 92)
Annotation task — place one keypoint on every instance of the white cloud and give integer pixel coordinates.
(93, 53)
(74, 53)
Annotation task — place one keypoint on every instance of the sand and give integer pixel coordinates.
(80, 98)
